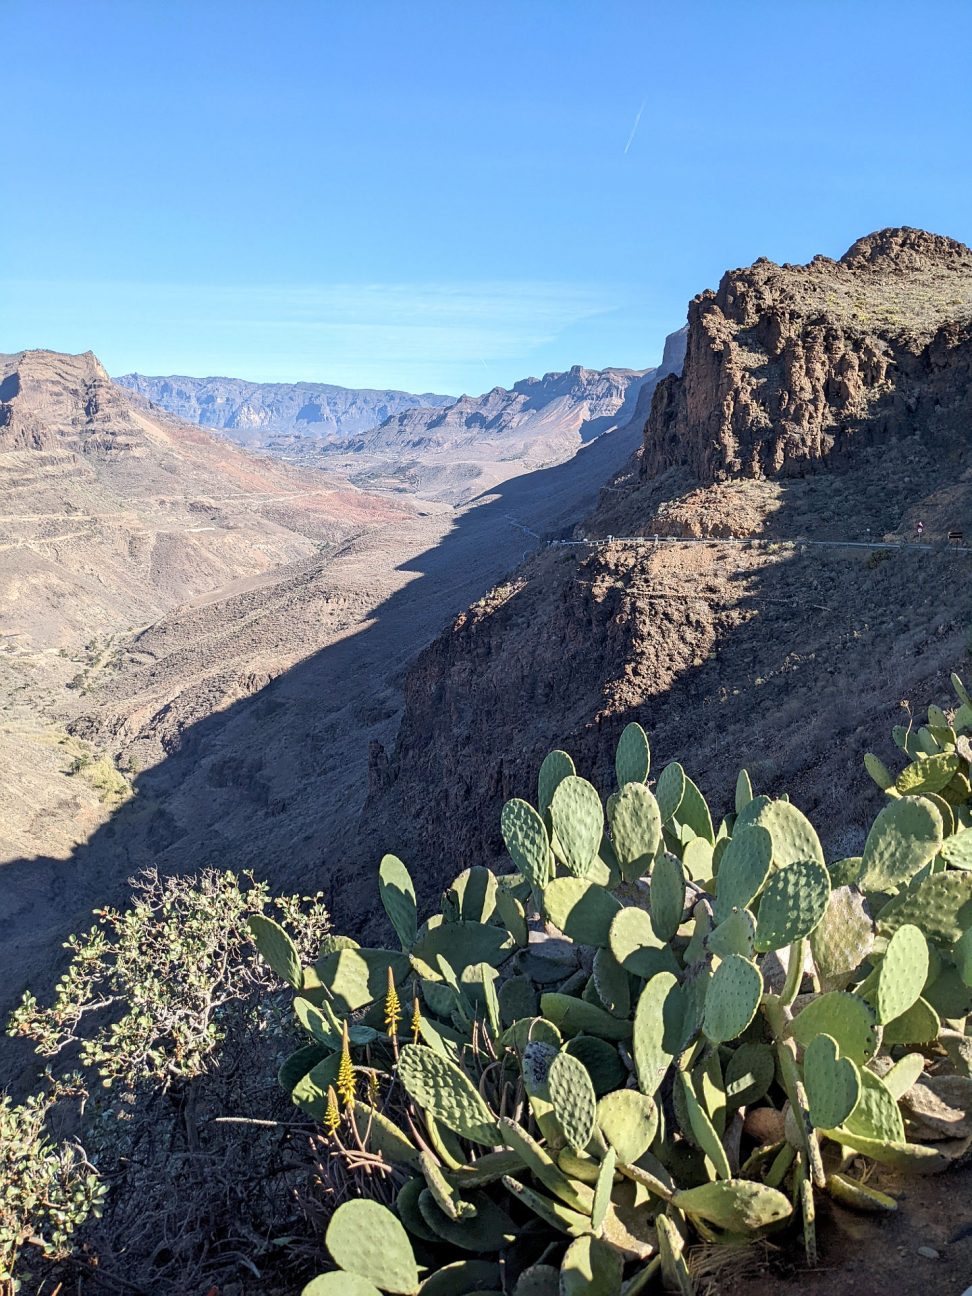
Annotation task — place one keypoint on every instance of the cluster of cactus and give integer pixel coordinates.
(652, 1033)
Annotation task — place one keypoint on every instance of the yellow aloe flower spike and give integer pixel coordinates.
(345, 1075)
(332, 1116)
(393, 1007)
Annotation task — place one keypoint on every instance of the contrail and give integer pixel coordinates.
(634, 128)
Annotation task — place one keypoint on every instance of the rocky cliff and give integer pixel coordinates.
(789, 365)
(261, 414)
(824, 403)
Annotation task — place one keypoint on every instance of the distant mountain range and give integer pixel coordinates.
(259, 414)
(435, 446)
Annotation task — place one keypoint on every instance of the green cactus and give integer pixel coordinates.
(573, 1017)
(940, 906)
(792, 904)
(572, 1096)
(578, 821)
(833, 1083)
(628, 1120)
(487, 1230)
(849, 1020)
(900, 976)
(843, 938)
(794, 836)
(731, 998)
(659, 1026)
(635, 946)
(556, 766)
(277, 948)
(590, 1268)
(541, 1165)
(904, 837)
(441, 1088)
(397, 893)
(667, 889)
(743, 869)
(633, 759)
(582, 910)
(636, 833)
(526, 840)
(365, 1239)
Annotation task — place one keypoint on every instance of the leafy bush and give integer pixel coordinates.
(168, 1007)
(47, 1188)
(649, 1035)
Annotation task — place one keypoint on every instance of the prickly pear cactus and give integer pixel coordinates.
(651, 1034)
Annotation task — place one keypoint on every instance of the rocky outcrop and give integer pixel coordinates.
(260, 414)
(788, 366)
(789, 661)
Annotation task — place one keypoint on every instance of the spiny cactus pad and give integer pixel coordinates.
(941, 906)
(876, 1114)
(632, 761)
(659, 1024)
(738, 1205)
(635, 946)
(590, 1268)
(635, 829)
(443, 1089)
(792, 903)
(277, 948)
(743, 869)
(905, 835)
(526, 841)
(366, 1239)
(356, 978)
(629, 1121)
(339, 1283)
(669, 790)
(833, 1083)
(574, 1103)
(846, 1018)
(843, 939)
(731, 998)
(794, 836)
(397, 893)
(667, 888)
(582, 910)
(578, 821)
(901, 974)
(556, 766)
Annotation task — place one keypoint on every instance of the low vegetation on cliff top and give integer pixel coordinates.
(656, 1037)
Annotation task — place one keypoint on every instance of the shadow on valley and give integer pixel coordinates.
(791, 662)
(275, 782)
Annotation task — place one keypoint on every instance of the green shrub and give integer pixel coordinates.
(562, 1069)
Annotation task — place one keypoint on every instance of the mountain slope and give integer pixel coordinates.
(790, 659)
(259, 415)
(458, 452)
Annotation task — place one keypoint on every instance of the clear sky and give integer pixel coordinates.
(449, 196)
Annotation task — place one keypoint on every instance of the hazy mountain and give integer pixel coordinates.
(478, 441)
(263, 414)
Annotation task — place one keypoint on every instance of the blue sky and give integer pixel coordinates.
(449, 196)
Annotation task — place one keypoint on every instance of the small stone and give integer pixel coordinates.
(929, 1253)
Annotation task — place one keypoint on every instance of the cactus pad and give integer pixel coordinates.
(488, 1230)
(555, 767)
(629, 1121)
(574, 1103)
(635, 830)
(941, 906)
(833, 1083)
(578, 821)
(849, 1020)
(901, 974)
(743, 869)
(366, 1239)
(930, 774)
(658, 1030)
(439, 1087)
(574, 1017)
(792, 904)
(876, 1114)
(669, 790)
(339, 1283)
(463, 1278)
(633, 758)
(667, 888)
(734, 935)
(601, 1061)
(919, 1025)
(582, 910)
(590, 1267)
(843, 939)
(543, 1168)
(749, 1073)
(357, 977)
(957, 850)
(794, 836)
(526, 841)
(635, 946)
(731, 998)
(904, 837)
(277, 948)
(738, 1205)
(397, 893)
(464, 943)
